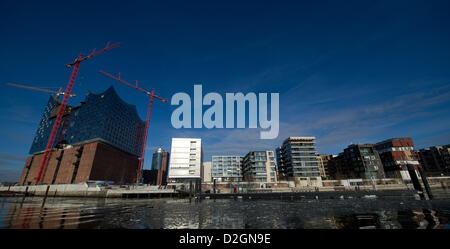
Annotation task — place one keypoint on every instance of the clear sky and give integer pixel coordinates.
(346, 71)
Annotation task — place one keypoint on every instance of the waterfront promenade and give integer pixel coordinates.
(84, 190)
(138, 191)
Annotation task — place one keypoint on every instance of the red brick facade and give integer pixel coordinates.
(396, 154)
(94, 161)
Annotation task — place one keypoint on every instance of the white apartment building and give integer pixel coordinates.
(185, 160)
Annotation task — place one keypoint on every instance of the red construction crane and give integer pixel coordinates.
(152, 95)
(62, 108)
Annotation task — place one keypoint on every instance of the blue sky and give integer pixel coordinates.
(346, 71)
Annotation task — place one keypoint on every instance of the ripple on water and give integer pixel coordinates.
(228, 213)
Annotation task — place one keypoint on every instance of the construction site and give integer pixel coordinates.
(99, 141)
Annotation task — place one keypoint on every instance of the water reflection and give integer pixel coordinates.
(30, 215)
(408, 219)
(71, 213)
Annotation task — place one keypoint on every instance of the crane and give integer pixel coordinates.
(51, 139)
(152, 95)
(59, 92)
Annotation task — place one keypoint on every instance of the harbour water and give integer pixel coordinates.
(92, 213)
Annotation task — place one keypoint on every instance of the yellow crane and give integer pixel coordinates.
(59, 92)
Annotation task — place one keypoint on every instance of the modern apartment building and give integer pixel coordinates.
(297, 157)
(436, 160)
(227, 168)
(396, 155)
(186, 159)
(357, 161)
(259, 166)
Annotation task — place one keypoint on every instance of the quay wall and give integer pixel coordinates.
(84, 190)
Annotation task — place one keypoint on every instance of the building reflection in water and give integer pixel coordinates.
(72, 213)
(25, 214)
(407, 219)
(426, 219)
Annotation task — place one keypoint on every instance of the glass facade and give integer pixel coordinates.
(227, 168)
(44, 129)
(363, 161)
(259, 166)
(297, 157)
(103, 115)
(157, 159)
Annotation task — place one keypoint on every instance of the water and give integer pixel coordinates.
(16, 212)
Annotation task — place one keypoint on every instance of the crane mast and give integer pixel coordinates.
(54, 131)
(149, 111)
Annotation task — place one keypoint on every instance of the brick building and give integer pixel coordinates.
(92, 161)
(397, 154)
(99, 139)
